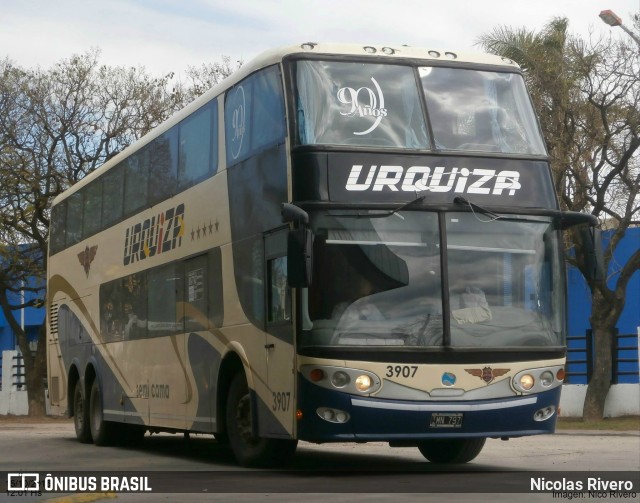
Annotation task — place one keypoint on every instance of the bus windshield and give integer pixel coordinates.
(386, 289)
(379, 105)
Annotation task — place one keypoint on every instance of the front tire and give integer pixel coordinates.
(247, 449)
(101, 430)
(81, 414)
(451, 450)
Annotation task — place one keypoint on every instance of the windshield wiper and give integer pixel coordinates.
(383, 214)
(474, 207)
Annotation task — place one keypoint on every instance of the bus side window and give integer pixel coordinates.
(163, 160)
(268, 109)
(58, 228)
(113, 196)
(92, 219)
(136, 174)
(74, 218)
(195, 147)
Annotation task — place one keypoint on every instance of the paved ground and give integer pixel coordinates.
(375, 471)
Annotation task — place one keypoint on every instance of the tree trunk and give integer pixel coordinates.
(600, 382)
(605, 312)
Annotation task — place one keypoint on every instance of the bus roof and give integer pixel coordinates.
(273, 56)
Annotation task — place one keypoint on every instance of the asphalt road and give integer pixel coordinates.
(334, 472)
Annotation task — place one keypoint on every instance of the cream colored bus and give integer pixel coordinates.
(337, 243)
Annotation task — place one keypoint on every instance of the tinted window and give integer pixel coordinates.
(268, 124)
(136, 170)
(123, 308)
(237, 117)
(113, 196)
(196, 134)
(254, 115)
(74, 219)
(164, 288)
(91, 222)
(57, 231)
(163, 161)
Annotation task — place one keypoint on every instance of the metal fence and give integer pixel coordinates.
(580, 358)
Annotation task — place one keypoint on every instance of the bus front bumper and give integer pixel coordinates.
(370, 419)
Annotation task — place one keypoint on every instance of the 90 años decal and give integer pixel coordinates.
(158, 234)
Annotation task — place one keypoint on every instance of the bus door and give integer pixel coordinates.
(166, 360)
(279, 339)
(201, 358)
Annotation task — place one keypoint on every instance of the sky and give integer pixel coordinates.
(170, 35)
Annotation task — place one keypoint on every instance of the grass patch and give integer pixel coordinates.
(625, 423)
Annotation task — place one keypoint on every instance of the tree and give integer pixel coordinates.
(587, 95)
(56, 126)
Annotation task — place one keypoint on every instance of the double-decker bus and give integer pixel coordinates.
(336, 244)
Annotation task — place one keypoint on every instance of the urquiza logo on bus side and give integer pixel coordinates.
(440, 179)
(158, 234)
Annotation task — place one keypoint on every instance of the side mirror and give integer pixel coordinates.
(299, 257)
(594, 259)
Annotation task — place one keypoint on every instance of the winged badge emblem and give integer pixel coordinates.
(86, 257)
(487, 374)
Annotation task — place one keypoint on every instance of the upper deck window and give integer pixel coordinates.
(473, 110)
(342, 103)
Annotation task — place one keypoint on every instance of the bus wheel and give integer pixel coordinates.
(101, 430)
(250, 450)
(451, 450)
(81, 415)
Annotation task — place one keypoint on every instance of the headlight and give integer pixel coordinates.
(340, 379)
(546, 379)
(527, 381)
(343, 379)
(363, 382)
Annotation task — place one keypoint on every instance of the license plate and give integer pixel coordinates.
(446, 420)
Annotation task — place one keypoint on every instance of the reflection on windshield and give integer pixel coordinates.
(472, 110)
(359, 104)
(505, 285)
(378, 282)
(374, 105)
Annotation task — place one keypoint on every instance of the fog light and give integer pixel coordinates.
(546, 379)
(544, 414)
(333, 415)
(340, 379)
(363, 382)
(527, 381)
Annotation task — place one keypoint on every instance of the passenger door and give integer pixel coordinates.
(279, 339)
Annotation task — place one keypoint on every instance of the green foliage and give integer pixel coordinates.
(587, 94)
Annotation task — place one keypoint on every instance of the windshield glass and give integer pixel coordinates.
(378, 282)
(473, 110)
(376, 105)
(359, 104)
(505, 282)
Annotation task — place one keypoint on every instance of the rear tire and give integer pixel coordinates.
(247, 449)
(451, 450)
(81, 414)
(101, 430)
